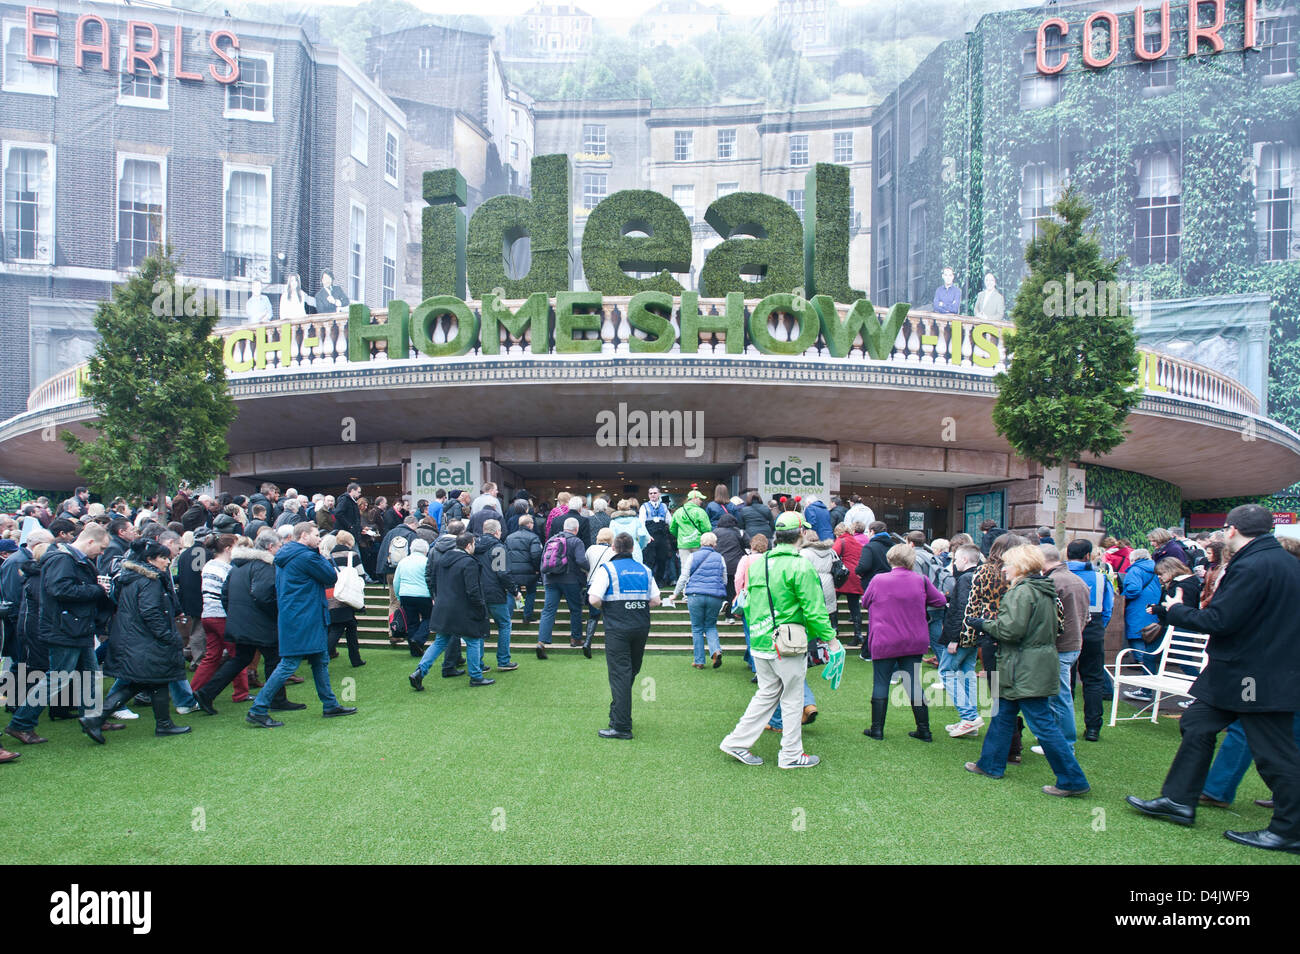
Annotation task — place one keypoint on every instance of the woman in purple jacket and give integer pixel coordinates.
(899, 634)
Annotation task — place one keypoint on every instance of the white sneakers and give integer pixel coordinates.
(742, 755)
(959, 729)
(1036, 749)
(803, 761)
(125, 714)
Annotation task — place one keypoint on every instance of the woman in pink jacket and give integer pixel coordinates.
(899, 634)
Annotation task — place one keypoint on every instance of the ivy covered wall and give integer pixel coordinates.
(1132, 504)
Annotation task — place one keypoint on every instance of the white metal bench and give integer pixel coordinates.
(1178, 649)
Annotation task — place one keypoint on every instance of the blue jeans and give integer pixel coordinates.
(500, 613)
(704, 624)
(179, 689)
(473, 649)
(1147, 660)
(777, 722)
(530, 599)
(1232, 762)
(1063, 702)
(958, 673)
(64, 661)
(1042, 722)
(572, 593)
(320, 673)
(934, 619)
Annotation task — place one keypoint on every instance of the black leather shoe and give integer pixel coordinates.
(613, 734)
(482, 682)
(416, 681)
(1164, 808)
(287, 706)
(452, 673)
(340, 711)
(91, 727)
(541, 650)
(204, 701)
(170, 728)
(1091, 735)
(1264, 839)
(265, 721)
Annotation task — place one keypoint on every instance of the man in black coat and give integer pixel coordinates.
(478, 520)
(121, 532)
(1252, 676)
(498, 586)
(347, 516)
(439, 553)
(459, 612)
(991, 532)
(524, 562)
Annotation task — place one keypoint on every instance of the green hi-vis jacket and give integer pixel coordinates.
(796, 596)
(690, 522)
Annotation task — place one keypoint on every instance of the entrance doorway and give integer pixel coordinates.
(906, 508)
(616, 485)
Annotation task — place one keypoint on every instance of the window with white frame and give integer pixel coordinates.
(842, 147)
(514, 152)
(1277, 215)
(251, 97)
(916, 276)
(1157, 220)
(360, 132)
(1039, 190)
(726, 188)
(799, 149)
(918, 129)
(426, 57)
(1038, 89)
(595, 186)
(390, 155)
(29, 202)
(1159, 74)
(726, 144)
(885, 156)
(884, 251)
(248, 222)
(794, 197)
(1278, 35)
(357, 254)
(389, 276)
(854, 222)
(593, 139)
(684, 195)
(683, 145)
(140, 87)
(141, 207)
(20, 75)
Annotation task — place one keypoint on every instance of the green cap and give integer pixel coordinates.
(791, 520)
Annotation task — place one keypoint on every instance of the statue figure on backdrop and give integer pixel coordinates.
(989, 303)
(293, 303)
(257, 309)
(330, 297)
(947, 297)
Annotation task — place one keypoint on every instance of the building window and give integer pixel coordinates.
(842, 150)
(141, 208)
(1039, 190)
(142, 88)
(389, 277)
(594, 189)
(799, 150)
(885, 156)
(21, 76)
(1279, 46)
(1158, 218)
(593, 139)
(794, 197)
(29, 203)
(357, 254)
(250, 98)
(426, 57)
(360, 131)
(390, 156)
(726, 188)
(917, 130)
(884, 250)
(916, 252)
(1037, 89)
(1159, 73)
(683, 145)
(514, 152)
(684, 195)
(1276, 200)
(726, 144)
(248, 223)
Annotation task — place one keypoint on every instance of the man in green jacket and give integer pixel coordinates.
(784, 582)
(689, 523)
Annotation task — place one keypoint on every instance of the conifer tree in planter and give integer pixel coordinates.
(1072, 357)
(158, 386)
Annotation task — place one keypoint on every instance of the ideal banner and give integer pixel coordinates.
(793, 472)
(448, 468)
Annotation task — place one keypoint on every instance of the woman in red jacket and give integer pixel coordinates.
(848, 544)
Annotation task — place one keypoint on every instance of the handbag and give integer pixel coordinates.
(839, 572)
(790, 639)
(348, 588)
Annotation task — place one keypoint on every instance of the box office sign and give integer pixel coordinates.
(445, 468)
(794, 472)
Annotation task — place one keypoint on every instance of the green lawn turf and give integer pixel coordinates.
(417, 778)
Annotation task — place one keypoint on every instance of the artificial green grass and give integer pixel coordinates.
(514, 773)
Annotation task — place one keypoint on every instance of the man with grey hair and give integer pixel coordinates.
(1075, 598)
(564, 571)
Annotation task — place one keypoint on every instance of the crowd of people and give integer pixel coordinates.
(179, 602)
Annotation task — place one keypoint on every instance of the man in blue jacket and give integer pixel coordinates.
(301, 577)
(819, 518)
(1092, 656)
(1141, 589)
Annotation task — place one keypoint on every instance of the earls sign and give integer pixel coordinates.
(143, 49)
(1100, 47)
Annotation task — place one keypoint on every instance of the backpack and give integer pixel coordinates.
(397, 627)
(398, 548)
(348, 589)
(555, 558)
(938, 574)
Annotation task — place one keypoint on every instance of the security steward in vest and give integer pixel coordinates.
(623, 590)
